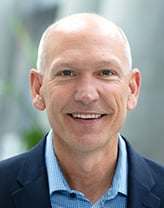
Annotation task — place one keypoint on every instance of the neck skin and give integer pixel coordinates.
(89, 173)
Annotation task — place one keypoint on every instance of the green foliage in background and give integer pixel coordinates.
(33, 133)
(32, 136)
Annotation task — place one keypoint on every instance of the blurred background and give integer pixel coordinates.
(22, 24)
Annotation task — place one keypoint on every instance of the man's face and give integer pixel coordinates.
(86, 88)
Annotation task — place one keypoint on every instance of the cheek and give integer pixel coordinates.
(117, 94)
(56, 99)
(120, 103)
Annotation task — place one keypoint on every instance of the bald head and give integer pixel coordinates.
(83, 24)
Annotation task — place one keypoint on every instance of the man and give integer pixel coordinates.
(85, 81)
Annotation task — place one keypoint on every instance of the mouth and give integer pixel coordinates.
(86, 116)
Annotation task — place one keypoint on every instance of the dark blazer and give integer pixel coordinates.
(24, 183)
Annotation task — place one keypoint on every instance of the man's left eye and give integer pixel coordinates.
(106, 72)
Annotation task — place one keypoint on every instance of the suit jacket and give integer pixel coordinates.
(24, 182)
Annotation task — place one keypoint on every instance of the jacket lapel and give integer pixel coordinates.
(140, 182)
(141, 197)
(32, 195)
(32, 178)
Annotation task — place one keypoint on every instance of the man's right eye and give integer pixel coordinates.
(66, 73)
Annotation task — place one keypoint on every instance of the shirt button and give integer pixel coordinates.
(72, 195)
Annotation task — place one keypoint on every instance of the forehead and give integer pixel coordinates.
(84, 36)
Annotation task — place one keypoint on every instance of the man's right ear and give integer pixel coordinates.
(35, 89)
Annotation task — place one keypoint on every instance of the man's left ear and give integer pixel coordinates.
(134, 88)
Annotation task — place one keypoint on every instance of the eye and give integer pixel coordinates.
(66, 73)
(106, 72)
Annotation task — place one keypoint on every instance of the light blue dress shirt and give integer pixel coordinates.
(61, 196)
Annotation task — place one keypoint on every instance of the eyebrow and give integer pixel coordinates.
(63, 64)
(74, 64)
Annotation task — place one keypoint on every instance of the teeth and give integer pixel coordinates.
(86, 116)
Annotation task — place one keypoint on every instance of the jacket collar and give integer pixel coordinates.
(32, 178)
(140, 182)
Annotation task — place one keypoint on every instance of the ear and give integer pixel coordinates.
(35, 89)
(134, 88)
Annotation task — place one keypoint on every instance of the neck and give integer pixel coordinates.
(87, 172)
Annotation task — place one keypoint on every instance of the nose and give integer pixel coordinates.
(86, 90)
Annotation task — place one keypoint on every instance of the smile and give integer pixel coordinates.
(86, 116)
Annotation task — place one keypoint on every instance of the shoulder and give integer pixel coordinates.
(145, 173)
(157, 171)
(9, 168)
(139, 161)
(11, 165)
(19, 171)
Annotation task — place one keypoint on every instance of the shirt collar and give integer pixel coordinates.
(57, 181)
(120, 180)
(55, 177)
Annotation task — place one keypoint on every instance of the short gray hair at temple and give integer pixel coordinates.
(41, 58)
